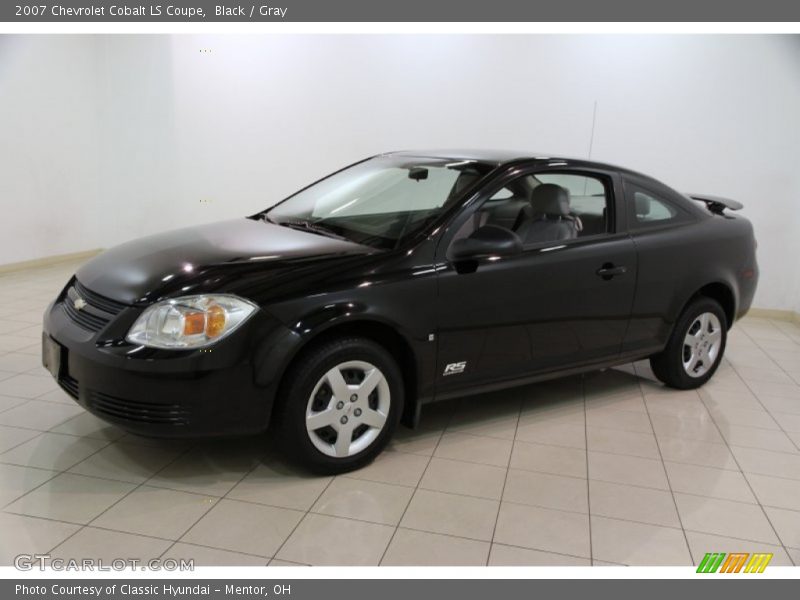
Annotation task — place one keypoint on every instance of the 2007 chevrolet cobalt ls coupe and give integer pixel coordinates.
(402, 279)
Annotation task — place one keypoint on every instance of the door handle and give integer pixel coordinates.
(608, 271)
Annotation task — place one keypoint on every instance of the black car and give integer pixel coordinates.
(405, 278)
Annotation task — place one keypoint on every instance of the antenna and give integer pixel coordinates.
(591, 135)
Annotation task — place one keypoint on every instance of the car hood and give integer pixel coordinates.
(143, 269)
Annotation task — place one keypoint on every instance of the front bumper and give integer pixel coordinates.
(226, 389)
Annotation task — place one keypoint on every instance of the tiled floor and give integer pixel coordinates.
(609, 468)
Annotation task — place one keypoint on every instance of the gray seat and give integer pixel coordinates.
(548, 217)
(509, 213)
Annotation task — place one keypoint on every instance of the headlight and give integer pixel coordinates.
(189, 321)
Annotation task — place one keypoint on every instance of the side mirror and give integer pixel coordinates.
(489, 240)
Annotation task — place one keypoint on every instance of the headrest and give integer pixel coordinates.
(642, 204)
(551, 200)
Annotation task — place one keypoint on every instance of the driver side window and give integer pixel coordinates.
(544, 208)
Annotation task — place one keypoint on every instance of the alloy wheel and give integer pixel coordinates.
(701, 345)
(348, 408)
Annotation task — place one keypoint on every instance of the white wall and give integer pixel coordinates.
(50, 179)
(158, 134)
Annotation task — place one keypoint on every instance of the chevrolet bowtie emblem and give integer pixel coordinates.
(79, 303)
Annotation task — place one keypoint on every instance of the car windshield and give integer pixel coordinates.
(381, 201)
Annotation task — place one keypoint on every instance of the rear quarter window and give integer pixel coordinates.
(648, 209)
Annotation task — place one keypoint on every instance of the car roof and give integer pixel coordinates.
(500, 157)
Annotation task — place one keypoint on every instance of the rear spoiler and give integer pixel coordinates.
(716, 204)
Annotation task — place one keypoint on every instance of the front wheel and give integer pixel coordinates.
(340, 404)
(695, 348)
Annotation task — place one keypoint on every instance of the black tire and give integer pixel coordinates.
(668, 365)
(299, 383)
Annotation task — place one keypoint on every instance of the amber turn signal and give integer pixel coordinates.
(194, 323)
(215, 320)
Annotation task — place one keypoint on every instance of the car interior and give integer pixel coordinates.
(543, 208)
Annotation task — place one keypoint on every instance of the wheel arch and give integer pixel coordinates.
(722, 293)
(376, 330)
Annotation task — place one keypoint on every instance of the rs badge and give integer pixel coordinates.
(455, 368)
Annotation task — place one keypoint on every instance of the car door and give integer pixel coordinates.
(556, 305)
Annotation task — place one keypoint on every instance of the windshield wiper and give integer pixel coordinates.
(310, 226)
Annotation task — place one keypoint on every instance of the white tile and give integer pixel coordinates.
(549, 491)
(630, 543)
(277, 484)
(420, 548)
(707, 481)
(86, 424)
(776, 491)
(53, 451)
(787, 524)
(513, 556)
(549, 459)
(745, 417)
(695, 452)
(9, 402)
(632, 503)
(211, 469)
(394, 467)
(126, 462)
(788, 421)
(16, 481)
(477, 449)
(571, 435)
(39, 415)
(26, 386)
(601, 439)
(213, 557)
(106, 545)
(543, 529)
(724, 517)
(30, 535)
(244, 527)
(57, 395)
(754, 437)
(766, 462)
(456, 477)
(703, 543)
(156, 512)
(71, 498)
(364, 500)
(631, 470)
(11, 437)
(624, 420)
(450, 514)
(691, 427)
(357, 543)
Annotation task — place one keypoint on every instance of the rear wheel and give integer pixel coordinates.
(340, 405)
(695, 347)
